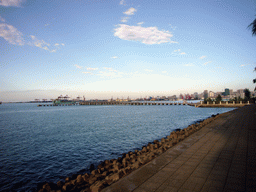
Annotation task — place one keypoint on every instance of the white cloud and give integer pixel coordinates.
(11, 34)
(178, 51)
(42, 44)
(164, 71)
(114, 57)
(15, 37)
(14, 3)
(146, 35)
(110, 69)
(130, 11)
(207, 62)
(2, 19)
(140, 23)
(39, 43)
(148, 70)
(202, 57)
(189, 65)
(124, 19)
(121, 2)
(79, 67)
(92, 69)
(243, 65)
(62, 44)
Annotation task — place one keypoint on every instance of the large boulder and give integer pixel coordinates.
(79, 179)
(135, 165)
(174, 135)
(92, 180)
(112, 178)
(144, 149)
(98, 186)
(67, 186)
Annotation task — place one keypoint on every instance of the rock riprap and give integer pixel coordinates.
(112, 170)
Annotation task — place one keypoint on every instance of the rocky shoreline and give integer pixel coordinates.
(112, 170)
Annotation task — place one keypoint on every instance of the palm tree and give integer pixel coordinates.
(253, 27)
(254, 80)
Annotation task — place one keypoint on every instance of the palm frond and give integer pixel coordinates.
(253, 27)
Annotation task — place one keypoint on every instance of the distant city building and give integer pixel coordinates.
(226, 93)
(201, 96)
(163, 97)
(196, 96)
(172, 98)
(217, 93)
(240, 93)
(205, 94)
(211, 94)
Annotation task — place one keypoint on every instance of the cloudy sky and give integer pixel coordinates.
(101, 49)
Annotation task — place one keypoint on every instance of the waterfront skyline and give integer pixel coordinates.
(124, 48)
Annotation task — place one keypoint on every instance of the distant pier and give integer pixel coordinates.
(127, 103)
(53, 105)
(216, 105)
(111, 103)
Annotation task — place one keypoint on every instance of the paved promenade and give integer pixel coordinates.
(219, 157)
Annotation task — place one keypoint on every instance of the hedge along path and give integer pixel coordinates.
(165, 165)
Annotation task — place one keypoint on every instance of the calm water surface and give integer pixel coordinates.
(49, 143)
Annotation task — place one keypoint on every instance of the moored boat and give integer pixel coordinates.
(63, 100)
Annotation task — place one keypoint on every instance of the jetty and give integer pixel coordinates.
(129, 103)
(218, 157)
(200, 104)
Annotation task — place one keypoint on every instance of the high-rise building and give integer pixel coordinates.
(226, 92)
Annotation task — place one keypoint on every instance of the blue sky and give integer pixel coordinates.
(101, 49)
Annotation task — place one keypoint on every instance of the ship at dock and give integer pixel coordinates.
(64, 100)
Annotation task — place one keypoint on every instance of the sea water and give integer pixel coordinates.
(40, 144)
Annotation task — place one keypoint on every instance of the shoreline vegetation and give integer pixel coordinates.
(110, 171)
